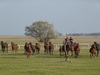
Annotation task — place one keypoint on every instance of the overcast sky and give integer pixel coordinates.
(67, 16)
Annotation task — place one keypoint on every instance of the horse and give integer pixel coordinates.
(46, 48)
(51, 48)
(37, 47)
(77, 49)
(64, 48)
(14, 47)
(61, 50)
(97, 48)
(92, 51)
(4, 46)
(28, 49)
(33, 48)
(71, 47)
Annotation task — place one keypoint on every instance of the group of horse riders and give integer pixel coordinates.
(70, 46)
(68, 41)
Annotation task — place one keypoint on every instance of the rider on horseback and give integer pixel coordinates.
(71, 40)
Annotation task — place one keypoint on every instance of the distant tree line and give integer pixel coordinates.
(83, 34)
(80, 34)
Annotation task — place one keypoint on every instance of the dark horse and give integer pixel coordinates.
(32, 48)
(4, 46)
(28, 49)
(97, 48)
(37, 47)
(46, 48)
(51, 48)
(92, 51)
(64, 48)
(14, 47)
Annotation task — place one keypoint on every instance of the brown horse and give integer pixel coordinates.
(61, 50)
(28, 49)
(4, 46)
(37, 46)
(71, 47)
(77, 49)
(92, 51)
(51, 48)
(14, 47)
(32, 47)
(46, 48)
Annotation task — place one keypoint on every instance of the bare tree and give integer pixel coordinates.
(41, 30)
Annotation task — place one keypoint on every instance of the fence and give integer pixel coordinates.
(56, 46)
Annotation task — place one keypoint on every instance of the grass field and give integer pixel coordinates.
(19, 64)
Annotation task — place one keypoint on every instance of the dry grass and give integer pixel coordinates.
(22, 39)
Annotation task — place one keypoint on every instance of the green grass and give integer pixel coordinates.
(19, 64)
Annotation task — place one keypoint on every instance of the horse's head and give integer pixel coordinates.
(77, 44)
(60, 46)
(30, 43)
(1, 42)
(49, 42)
(12, 43)
(36, 43)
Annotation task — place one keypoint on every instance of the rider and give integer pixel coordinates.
(66, 40)
(71, 40)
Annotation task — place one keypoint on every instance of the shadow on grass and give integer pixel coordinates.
(10, 54)
(8, 57)
(49, 56)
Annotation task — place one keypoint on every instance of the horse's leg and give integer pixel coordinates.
(16, 49)
(90, 55)
(32, 52)
(27, 54)
(12, 50)
(38, 51)
(97, 53)
(2, 49)
(47, 51)
(7, 49)
(52, 51)
(71, 53)
(76, 54)
(60, 53)
(67, 52)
